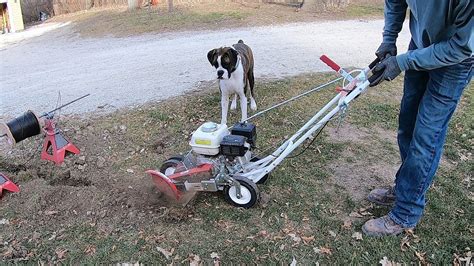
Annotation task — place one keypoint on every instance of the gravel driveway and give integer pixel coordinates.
(125, 72)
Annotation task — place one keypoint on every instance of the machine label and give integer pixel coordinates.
(203, 142)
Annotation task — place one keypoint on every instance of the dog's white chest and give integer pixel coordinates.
(235, 84)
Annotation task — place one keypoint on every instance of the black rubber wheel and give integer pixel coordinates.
(249, 191)
(265, 177)
(169, 166)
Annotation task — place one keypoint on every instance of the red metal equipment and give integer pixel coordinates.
(7, 184)
(175, 185)
(55, 145)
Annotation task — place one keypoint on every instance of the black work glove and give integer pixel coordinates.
(387, 69)
(385, 50)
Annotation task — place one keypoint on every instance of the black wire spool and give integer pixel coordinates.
(23, 127)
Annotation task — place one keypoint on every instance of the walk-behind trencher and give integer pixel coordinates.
(222, 158)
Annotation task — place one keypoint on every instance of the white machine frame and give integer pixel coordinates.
(357, 85)
(239, 183)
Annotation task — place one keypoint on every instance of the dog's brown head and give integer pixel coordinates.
(225, 60)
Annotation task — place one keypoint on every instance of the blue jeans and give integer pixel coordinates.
(429, 100)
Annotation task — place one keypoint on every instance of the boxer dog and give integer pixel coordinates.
(235, 73)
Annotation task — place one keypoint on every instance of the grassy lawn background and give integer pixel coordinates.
(312, 207)
(119, 21)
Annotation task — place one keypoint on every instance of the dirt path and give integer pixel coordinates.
(123, 72)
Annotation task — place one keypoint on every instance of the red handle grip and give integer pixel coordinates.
(330, 63)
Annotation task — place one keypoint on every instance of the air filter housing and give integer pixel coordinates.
(234, 146)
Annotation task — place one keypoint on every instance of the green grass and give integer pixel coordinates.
(122, 23)
(364, 10)
(140, 17)
(302, 196)
(205, 16)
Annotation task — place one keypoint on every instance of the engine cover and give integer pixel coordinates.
(207, 138)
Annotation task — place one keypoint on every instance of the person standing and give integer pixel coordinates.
(438, 67)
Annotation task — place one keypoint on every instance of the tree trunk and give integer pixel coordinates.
(170, 6)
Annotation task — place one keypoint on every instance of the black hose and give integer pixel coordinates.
(311, 143)
(24, 126)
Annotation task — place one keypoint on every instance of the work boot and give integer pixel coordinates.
(382, 196)
(383, 226)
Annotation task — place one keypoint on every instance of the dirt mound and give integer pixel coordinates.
(103, 185)
(360, 167)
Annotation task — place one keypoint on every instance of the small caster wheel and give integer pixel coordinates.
(248, 190)
(265, 177)
(171, 165)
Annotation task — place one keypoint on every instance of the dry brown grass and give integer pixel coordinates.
(109, 212)
(121, 22)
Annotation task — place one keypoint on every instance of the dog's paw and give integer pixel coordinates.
(233, 105)
(253, 104)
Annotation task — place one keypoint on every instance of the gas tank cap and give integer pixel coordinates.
(209, 127)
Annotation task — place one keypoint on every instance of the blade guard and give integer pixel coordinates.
(165, 185)
(7, 184)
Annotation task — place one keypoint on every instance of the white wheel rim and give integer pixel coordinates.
(169, 171)
(245, 192)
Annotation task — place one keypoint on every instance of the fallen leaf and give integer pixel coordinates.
(165, 252)
(409, 232)
(466, 260)
(463, 157)
(61, 253)
(293, 262)
(8, 253)
(347, 224)
(194, 260)
(307, 239)
(405, 243)
(130, 264)
(90, 250)
(355, 215)
(386, 262)
(278, 238)
(53, 236)
(409, 237)
(295, 238)
(215, 256)
(357, 236)
(421, 256)
(325, 250)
